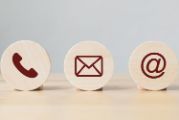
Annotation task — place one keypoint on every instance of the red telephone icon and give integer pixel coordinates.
(31, 73)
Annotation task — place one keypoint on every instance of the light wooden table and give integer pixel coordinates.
(119, 100)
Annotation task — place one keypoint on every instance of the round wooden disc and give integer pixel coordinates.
(25, 65)
(153, 65)
(88, 65)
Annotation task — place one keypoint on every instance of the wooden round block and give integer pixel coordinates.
(88, 65)
(153, 65)
(25, 65)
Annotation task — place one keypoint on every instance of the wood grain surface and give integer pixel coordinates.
(119, 100)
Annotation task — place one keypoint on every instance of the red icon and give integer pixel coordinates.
(31, 73)
(153, 65)
(88, 66)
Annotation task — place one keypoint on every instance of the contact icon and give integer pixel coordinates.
(153, 65)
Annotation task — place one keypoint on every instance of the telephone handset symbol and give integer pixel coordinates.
(31, 73)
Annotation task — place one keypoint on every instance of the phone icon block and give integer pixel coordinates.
(31, 73)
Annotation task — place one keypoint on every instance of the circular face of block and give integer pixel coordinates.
(88, 65)
(153, 65)
(25, 65)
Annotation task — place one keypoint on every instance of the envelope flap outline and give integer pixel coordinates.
(91, 65)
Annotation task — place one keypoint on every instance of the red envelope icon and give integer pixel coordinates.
(88, 66)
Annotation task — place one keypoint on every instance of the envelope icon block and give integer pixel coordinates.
(88, 66)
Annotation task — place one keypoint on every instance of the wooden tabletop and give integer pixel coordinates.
(119, 100)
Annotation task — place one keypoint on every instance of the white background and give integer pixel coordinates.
(119, 24)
